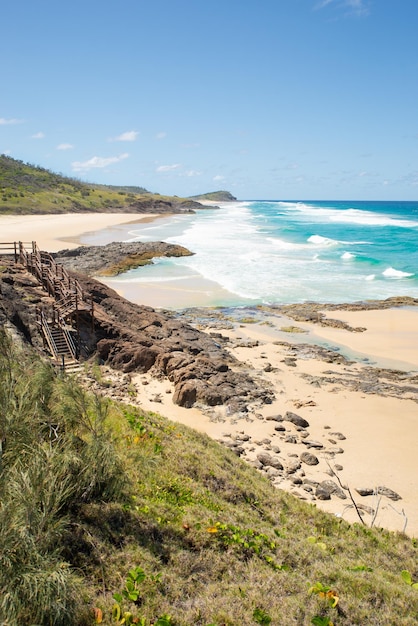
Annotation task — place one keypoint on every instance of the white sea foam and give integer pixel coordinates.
(390, 272)
(318, 240)
(349, 216)
(140, 278)
(267, 255)
(366, 218)
(286, 245)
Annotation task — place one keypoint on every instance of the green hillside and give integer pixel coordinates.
(115, 516)
(26, 188)
(216, 196)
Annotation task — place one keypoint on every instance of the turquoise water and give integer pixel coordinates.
(287, 251)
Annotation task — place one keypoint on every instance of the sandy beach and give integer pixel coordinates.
(371, 436)
(370, 432)
(56, 232)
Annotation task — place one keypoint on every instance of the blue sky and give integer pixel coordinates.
(270, 99)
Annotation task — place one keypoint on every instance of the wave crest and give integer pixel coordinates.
(391, 272)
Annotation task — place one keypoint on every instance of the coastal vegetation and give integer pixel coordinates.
(29, 189)
(113, 515)
(216, 196)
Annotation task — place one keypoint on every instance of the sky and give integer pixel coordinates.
(269, 99)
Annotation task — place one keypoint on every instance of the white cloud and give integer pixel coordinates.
(97, 162)
(4, 122)
(192, 173)
(168, 168)
(161, 135)
(65, 146)
(218, 178)
(38, 135)
(129, 135)
(358, 7)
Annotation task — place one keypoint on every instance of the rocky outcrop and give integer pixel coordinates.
(133, 338)
(316, 312)
(137, 338)
(115, 258)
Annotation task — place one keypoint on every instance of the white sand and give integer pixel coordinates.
(391, 334)
(381, 432)
(193, 291)
(55, 232)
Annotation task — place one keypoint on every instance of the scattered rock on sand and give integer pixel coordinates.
(274, 418)
(309, 443)
(295, 419)
(280, 428)
(322, 494)
(332, 488)
(383, 491)
(308, 458)
(270, 461)
(339, 436)
(292, 466)
(291, 439)
(389, 493)
(365, 491)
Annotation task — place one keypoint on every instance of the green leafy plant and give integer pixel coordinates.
(406, 576)
(248, 541)
(131, 591)
(319, 620)
(261, 617)
(128, 619)
(326, 593)
(361, 568)
(317, 542)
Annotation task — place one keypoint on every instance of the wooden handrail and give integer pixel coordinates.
(54, 278)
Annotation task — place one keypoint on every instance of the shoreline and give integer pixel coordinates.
(46, 229)
(379, 427)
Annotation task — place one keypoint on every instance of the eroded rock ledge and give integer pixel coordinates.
(134, 338)
(116, 258)
(314, 312)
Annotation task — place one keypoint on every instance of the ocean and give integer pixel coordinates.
(266, 252)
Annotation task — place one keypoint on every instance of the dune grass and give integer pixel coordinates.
(112, 515)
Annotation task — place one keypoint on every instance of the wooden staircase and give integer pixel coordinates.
(60, 342)
(60, 329)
